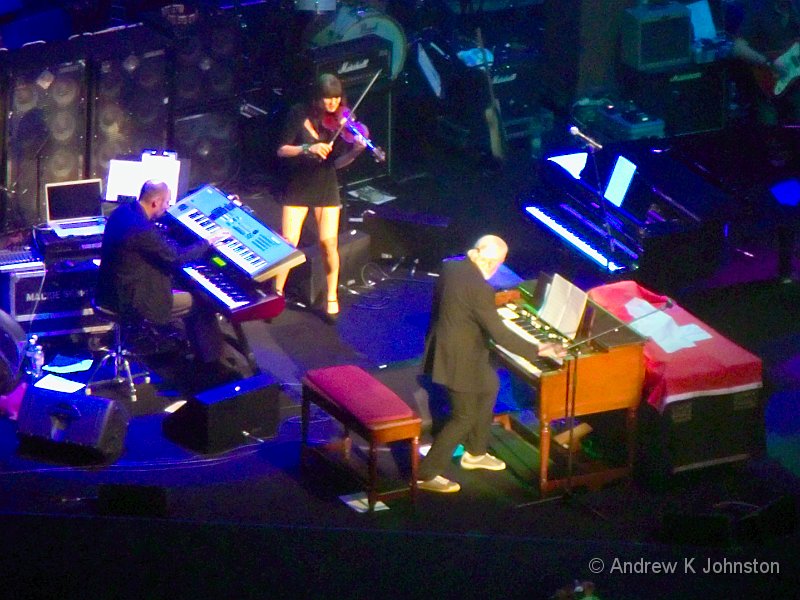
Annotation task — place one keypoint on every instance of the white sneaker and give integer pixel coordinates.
(439, 484)
(484, 461)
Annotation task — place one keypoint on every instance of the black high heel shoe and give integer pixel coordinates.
(329, 317)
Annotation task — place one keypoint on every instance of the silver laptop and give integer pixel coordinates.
(75, 208)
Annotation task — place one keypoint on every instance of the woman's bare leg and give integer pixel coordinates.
(328, 225)
(291, 226)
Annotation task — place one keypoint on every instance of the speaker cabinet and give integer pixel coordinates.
(656, 37)
(208, 59)
(689, 99)
(45, 124)
(355, 62)
(307, 281)
(211, 141)
(699, 432)
(72, 426)
(579, 49)
(398, 235)
(214, 420)
(131, 95)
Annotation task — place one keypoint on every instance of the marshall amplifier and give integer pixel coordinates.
(52, 301)
(354, 62)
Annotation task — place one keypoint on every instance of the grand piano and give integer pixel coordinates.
(603, 371)
(232, 277)
(632, 210)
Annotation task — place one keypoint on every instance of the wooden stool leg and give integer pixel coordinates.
(347, 445)
(372, 481)
(414, 468)
(304, 420)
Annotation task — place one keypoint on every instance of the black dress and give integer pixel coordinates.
(312, 182)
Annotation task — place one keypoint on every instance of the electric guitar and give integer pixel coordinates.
(494, 120)
(775, 85)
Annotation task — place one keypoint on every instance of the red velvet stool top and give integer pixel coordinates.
(363, 396)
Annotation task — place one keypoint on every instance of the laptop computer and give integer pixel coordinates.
(75, 208)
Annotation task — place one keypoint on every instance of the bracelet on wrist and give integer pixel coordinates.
(306, 148)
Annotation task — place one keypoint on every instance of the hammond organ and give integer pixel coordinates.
(604, 370)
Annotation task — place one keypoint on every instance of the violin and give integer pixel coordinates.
(342, 123)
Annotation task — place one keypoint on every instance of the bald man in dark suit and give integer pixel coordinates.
(463, 321)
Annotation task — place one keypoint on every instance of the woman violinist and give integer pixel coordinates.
(308, 141)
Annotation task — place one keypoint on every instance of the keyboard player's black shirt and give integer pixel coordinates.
(137, 262)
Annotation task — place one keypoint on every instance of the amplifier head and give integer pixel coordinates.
(354, 61)
(656, 37)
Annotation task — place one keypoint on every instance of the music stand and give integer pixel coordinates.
(601, 201)
(570, 397)
(571, 360)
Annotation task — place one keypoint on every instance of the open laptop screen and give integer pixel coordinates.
(69, 200)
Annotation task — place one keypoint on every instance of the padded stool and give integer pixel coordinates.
(362, 404)
(119, 354)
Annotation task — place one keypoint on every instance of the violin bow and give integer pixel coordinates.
(355, 106)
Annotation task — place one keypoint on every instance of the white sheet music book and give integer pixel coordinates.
(563, 306)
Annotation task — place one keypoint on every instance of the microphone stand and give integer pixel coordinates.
(609, 239)
(570, 398)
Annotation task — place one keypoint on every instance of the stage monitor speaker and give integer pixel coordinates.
(131, 95)
(656, 36)
(224, 417)
(410, 237)
(307, 281)
(72, 427)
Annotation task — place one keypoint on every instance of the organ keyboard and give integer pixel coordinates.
(604, 374)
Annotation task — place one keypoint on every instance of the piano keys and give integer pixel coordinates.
(605, 373)
(231, 277)
(252, 248)
(235, 299)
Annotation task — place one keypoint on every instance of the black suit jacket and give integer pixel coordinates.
(463, 320)
(136, 265)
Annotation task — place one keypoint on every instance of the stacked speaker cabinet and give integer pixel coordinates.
(355, 62)
(206, 83)
(45, 125)
(129, 111)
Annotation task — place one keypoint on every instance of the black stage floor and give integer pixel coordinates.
(249, 523)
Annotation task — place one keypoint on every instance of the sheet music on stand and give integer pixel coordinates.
(563, 306)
